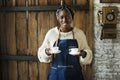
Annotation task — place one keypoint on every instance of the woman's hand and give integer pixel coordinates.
(47, 51)
(83, 53)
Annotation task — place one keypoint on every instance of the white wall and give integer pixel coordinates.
(106, 64)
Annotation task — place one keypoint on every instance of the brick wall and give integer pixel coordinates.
(106, 64)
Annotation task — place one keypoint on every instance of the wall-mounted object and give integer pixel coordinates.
(109, 1)
(109, 20)
(109, 14)
(109, 32)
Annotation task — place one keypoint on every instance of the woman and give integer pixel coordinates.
(65, 66)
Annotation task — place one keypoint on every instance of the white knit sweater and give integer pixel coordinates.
(52, 36)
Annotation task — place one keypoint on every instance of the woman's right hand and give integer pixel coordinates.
(47, 51)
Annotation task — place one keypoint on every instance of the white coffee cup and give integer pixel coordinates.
(55, 50)
(74, 51)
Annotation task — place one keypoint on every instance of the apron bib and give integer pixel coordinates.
(65, 66)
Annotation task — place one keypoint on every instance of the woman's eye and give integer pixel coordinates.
(62, 17)
(66, 17)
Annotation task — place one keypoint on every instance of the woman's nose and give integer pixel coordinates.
(64, 19)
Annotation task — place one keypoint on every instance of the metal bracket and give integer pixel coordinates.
(18, 58)
(41, 8)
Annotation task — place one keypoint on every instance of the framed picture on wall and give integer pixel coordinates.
(109, 1)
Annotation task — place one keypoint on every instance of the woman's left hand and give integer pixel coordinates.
(83, 53)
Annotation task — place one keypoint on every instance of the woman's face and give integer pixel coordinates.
(65, 20)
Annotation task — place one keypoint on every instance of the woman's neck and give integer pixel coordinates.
(65, 29)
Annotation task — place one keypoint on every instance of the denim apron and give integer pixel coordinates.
(65, 66)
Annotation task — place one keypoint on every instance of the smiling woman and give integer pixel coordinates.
(64, 17)
(65, 66)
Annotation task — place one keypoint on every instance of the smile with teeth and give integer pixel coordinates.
(64, 23)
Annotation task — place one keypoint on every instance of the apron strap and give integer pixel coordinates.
(73, 34)
(56, 44)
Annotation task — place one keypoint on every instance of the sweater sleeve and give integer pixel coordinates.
(83, 45)
(42, 56)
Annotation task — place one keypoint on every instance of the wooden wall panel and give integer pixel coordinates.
(21, 33)
(33, 2)
(85, 23)
(78, 2)
(33, 71)
(32, 33)
(52, 15)
(1, 3)
(10, 3)
(69, 2)
(11, 44)
(43, 27)
(32, 40)
(3, 33)
(22, 41)
(3, 45)
(53, 2)
(20, 2)
(32, 44)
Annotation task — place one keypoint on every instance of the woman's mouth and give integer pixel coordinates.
(64, 24)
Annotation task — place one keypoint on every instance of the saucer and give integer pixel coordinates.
(74, 53)
(56, 52)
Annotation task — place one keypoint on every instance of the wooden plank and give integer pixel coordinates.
(91, 25)
(32, 33)
(3, 33)
(10, 3)
(20, 2)
(13, 70)
(1, 3)
(32, 2)
(23, 71)
(10, 33)
(56, 2)
(78, 19)
(53, 21)
(43, 26)
(11, 45)
(0, 43)
(69, 2)
(22, 44)
(32, 44)
(44, 70)
(21, 33)
(90, 36)
(11, 41)
(81, 2)
(42, 2)
(33, 71)
(86, 25)
(32, 41)
(3, 47)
